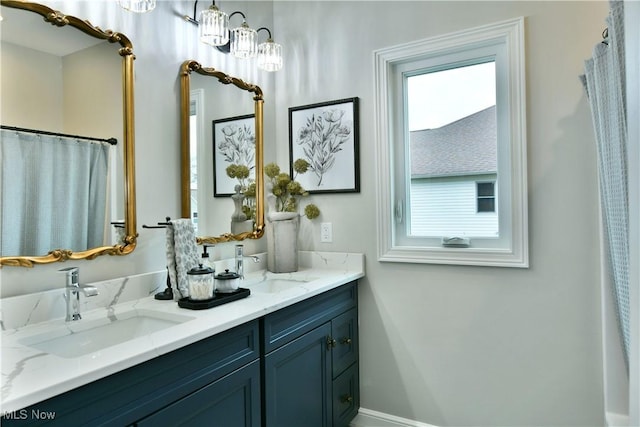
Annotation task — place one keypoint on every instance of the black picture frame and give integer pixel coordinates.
(234, 142)
(327, 136)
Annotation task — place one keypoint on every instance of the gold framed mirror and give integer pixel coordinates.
(26, 19)
(191, 66)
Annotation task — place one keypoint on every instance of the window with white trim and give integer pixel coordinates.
(451, 148)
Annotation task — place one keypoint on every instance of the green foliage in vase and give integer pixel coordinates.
(288, 191)
(239, 172)
(247, 187)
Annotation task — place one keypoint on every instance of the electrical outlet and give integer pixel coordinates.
(326, 232)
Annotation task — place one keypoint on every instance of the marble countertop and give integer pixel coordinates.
(30, 375)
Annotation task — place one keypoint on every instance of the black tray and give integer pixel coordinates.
(220, 298)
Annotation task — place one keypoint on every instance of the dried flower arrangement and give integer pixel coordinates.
(247, 187)
(288, 191)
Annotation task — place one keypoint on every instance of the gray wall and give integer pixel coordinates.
(162, 40)
(18, 105)
(450, 345)
(443, 345)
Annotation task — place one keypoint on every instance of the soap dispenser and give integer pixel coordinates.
(205, 260)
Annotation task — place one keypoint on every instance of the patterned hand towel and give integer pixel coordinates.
(182, 254)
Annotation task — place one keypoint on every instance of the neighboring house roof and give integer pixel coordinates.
(464, 147)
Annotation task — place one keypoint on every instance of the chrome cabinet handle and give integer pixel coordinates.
(346, 340)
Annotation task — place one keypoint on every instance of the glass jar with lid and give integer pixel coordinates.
(201, 283)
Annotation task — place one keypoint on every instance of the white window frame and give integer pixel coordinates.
(197, 104)
(512, 162)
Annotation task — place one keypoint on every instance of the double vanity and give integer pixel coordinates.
(285, 355)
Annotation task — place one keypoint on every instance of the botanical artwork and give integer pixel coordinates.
(326, 136)
(234, 142)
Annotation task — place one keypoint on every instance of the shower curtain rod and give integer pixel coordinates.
(112, 141)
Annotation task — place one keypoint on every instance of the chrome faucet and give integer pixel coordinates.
(72, 293)
(240, 260)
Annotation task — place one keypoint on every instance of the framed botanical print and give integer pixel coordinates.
(234, 143)
(326, 136)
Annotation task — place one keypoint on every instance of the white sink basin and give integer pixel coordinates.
(275, 285)
(78, 338)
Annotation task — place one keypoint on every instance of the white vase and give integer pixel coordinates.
(282, 241)
(241, 227)
(239, 222)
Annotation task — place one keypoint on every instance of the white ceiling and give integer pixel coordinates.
(29, 29)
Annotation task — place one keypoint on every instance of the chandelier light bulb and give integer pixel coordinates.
(214, 26)
(138, 6)
(244, 42)
(269, 56)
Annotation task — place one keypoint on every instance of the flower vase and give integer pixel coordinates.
(239, 221)
(282, 241)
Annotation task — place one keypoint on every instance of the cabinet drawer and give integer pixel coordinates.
(289, 323)
(344, 332)
(346, 396)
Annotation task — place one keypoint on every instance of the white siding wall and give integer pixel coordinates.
(448, 208)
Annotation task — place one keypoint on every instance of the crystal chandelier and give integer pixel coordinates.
(241, 42)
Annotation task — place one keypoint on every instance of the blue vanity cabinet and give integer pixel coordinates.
(311, 361)
(206, 374)
(297, 366)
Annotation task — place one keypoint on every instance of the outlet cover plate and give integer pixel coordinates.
(326, 232)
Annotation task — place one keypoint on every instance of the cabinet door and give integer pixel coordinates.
(344, 332)
(297, 382)
(233, 400)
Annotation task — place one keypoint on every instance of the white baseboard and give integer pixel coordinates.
(371, 418)
(617, 420)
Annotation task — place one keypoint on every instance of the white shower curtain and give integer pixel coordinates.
(604, 81)
(54, 192)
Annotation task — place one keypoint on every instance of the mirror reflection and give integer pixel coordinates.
(222, 145)
(66, 161)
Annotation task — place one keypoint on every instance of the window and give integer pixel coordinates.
(196, 149)
(486, 196)
(451, 148)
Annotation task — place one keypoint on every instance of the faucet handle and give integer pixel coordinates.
(89, 291)
(72, 274)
